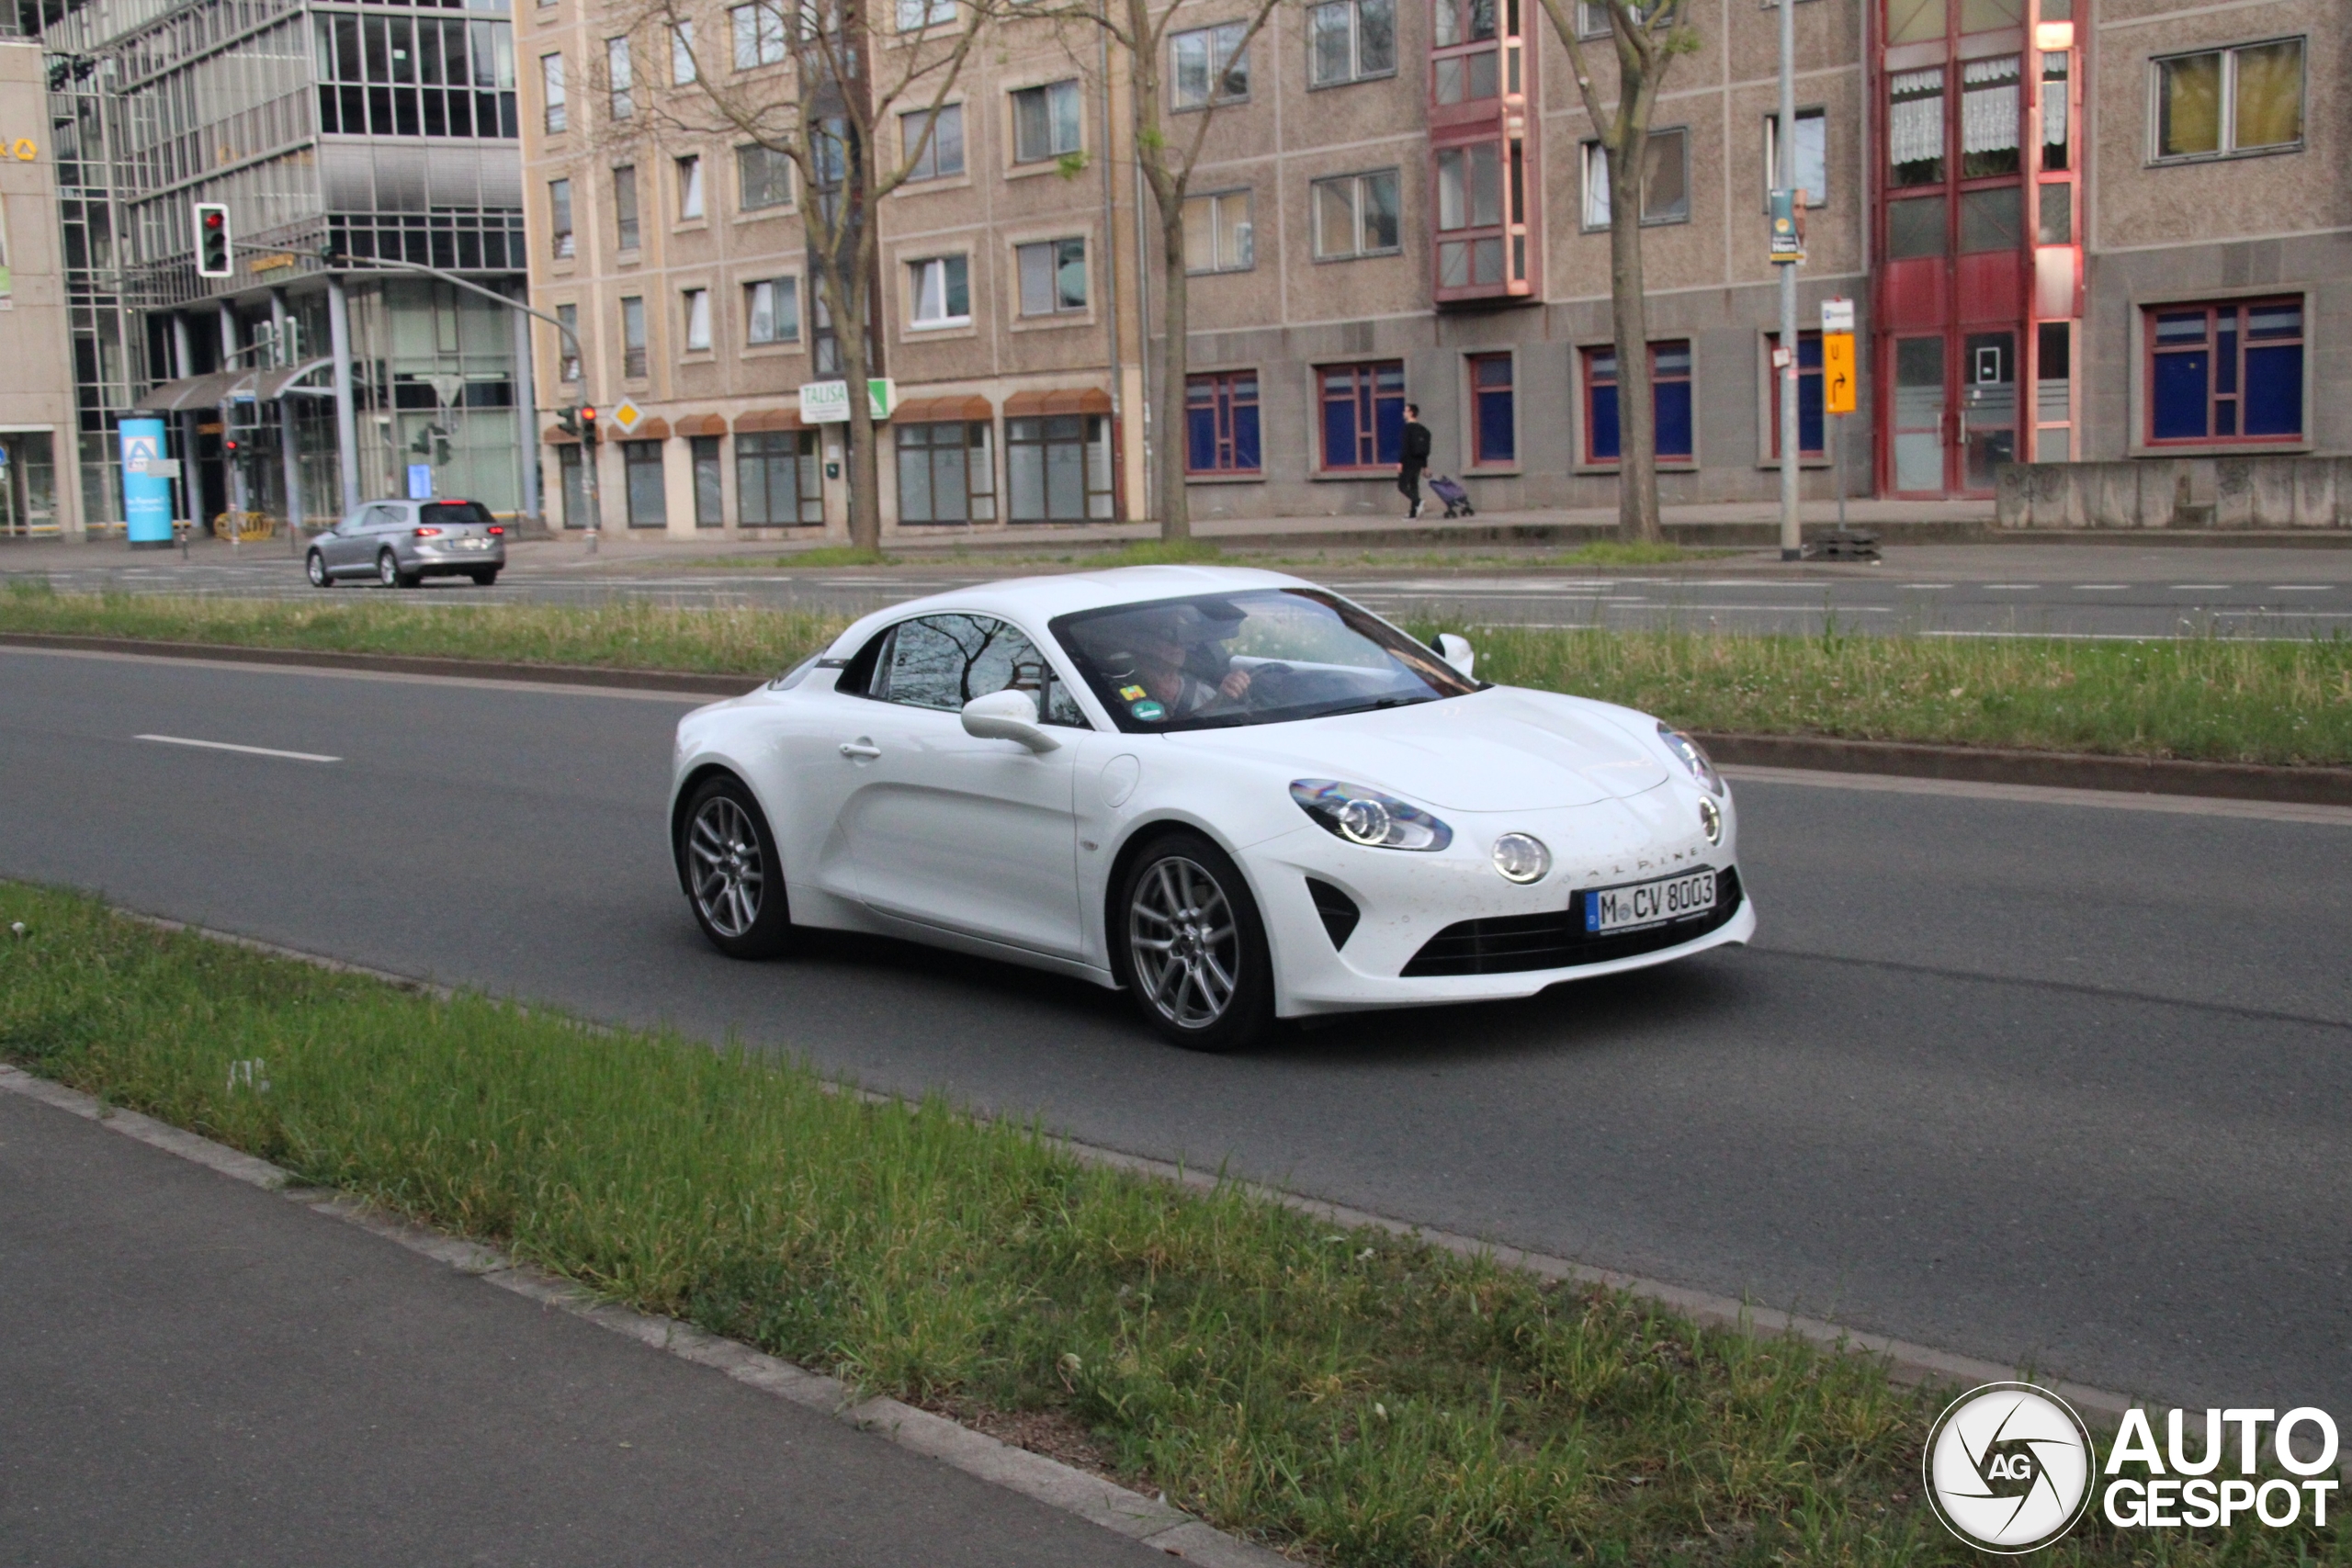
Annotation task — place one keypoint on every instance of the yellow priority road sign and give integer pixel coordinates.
(1837, 372)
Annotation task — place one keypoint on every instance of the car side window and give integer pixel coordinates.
(944, 661)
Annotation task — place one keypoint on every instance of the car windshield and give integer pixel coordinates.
(1264, 656)
(449, 512)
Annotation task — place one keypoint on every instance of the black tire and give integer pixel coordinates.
(1175, 977)
(726, 863)
(316, 568)
(389, 572)
(484, 577)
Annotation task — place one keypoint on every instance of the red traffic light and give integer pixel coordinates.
(214, 217)
(587, 413)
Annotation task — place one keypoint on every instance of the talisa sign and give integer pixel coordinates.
(827, 402)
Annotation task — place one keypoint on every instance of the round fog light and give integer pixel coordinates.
(1710, 820)
(1522, 857)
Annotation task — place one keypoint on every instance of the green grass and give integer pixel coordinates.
(2208, 697)
(1350, 1396)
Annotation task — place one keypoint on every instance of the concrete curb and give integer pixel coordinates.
(1043, 1479)
(1972, 764)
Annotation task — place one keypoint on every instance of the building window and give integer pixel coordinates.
(1813, 156)
(551, 88)
(777, 482)
(1493, 424)
(1363, 413)
(1592, 18)
(942, 291)
(1670, 399)
(1991, 220)
(772, 310)
(1665, 190)
(2226, 372)
(567, 356)
(633, 337)
(689, 188)
(2248, 99)
(1356, 215)
(1052, 277)
(1921, 227)
(616, 75)
(649, 497)
(943, 156)
(946, 472)
(697, 313)
(575, 485)
(1218, 236)
(1468, 74)
(683, 70)
(766, 176)
(757, 31)
(1046, 122)
(1470, 195)
(400, 75)
(1221, 424)
(1915, 127)
(710, 501)
(1351, 39)
(560, 218)
(920, 16)
(625, 207)
(1059, 467)
(1210, 66)
(1810, 440)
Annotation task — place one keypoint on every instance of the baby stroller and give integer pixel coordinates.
(1456, 499)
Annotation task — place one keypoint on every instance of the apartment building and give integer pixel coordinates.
(2075, 232)
(40, 486)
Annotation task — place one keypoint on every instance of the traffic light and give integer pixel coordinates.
(212, 259)
(588, 427)
(569, 418)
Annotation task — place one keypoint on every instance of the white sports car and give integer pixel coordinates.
(1234, 793)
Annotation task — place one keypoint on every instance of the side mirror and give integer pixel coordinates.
(1455, 650)
(1008, 715)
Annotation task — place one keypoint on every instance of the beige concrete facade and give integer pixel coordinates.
(40, 486)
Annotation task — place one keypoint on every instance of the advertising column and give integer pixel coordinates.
(146, 484)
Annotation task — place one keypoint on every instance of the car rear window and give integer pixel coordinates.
(454, 512)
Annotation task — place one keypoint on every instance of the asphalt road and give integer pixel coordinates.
(2029, 1081)
(1960, 590)
(199, 1372)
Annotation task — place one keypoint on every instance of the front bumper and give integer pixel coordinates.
(1406, 901)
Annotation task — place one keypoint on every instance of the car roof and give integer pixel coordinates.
(1034, 601)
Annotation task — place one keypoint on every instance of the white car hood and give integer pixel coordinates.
(1500, 749)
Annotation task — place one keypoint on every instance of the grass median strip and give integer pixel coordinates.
(1349, 1396)
(2216, 699)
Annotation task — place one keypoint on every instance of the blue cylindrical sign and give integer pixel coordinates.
(146, 496)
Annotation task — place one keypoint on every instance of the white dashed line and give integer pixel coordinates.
(248, 750)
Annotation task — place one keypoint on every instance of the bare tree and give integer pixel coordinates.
(819, 83)
(1648, 34)
(1220, 62)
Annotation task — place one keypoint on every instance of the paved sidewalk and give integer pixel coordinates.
(196, 1372)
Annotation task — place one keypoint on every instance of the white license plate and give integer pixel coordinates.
(1648, 903)
(473, 544)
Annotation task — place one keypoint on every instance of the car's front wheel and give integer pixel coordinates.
(1193, 947)
(316, 566)
(726, 859)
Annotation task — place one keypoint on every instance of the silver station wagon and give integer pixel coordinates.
(401, 543)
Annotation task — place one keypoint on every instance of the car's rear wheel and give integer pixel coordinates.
(727, 861)
(1193, 947)
(389, 572)
(483, 578)
(316, 567)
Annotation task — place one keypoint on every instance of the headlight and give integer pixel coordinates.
(1692, 757)
(1711, 821)
(1367, 817)
(1522, 857)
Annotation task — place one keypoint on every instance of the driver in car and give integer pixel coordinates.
(1168, 646)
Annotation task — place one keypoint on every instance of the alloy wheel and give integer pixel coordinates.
(387, 570)
(1184, 943)
(724, 862)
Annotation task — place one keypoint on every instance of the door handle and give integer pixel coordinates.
(860, 747)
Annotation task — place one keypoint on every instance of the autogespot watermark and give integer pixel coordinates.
(2010, 1468)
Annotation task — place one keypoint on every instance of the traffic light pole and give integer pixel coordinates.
(587, 450)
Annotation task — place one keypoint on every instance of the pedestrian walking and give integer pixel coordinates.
(1413, 460)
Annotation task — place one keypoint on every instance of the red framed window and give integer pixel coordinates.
(1363, 413)
(2229, 372)
(1494, 426)
(1810, 442)
(1669, 397)
(1221, 424)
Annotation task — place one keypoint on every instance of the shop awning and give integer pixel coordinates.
(1072, 400)
(926, 411)
(701, 424)
(210, 391)
(768, 419)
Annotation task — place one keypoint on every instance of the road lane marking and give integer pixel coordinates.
(2098, 587)
(2300, 587)
(230, 746)
(2202, 587)
(2019, 587)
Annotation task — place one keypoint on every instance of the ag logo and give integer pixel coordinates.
(2009, 1466)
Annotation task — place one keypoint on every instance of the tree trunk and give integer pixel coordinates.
(864, 461)
(1637, 514)
(1168, 413)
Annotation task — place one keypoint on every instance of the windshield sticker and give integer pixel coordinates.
(1132, 694)
(1147, 710)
